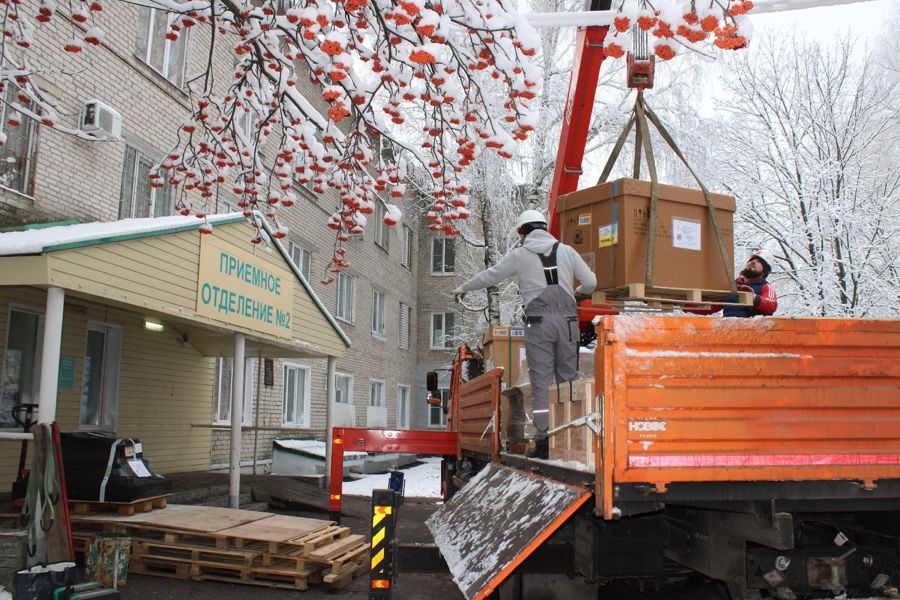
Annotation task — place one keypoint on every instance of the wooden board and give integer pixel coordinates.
(204, 519)
(148, 518)
(275, 528)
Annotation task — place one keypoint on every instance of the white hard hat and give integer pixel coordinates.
(530, 216)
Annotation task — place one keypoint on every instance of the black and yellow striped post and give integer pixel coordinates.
(384, 513)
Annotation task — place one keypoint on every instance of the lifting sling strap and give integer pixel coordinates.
(551, 273)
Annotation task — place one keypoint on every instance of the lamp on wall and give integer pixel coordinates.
(153, 325)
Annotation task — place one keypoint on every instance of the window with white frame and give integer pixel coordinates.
(98, 409)
(402, 407)
(345, 291)
(436, 415)
(382, 230)
(137, 198)
(405, 320)
(21, 376)
(406, 251)
(376, 393)
(164, 55)
(442, 330)
(296, 395)
(17, 152)
(378, 300)
(343, 388)
(224, 374)
(443, 256)
(301, 257)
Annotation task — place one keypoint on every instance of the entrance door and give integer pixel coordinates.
(20, 378)
(99, 386)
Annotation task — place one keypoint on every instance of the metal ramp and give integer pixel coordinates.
(496, 521)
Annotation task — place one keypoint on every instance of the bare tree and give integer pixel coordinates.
(813, 161)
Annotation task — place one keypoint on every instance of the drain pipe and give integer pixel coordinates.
(237, 405)
(329, 416)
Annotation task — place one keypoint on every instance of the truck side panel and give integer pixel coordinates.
(689, 399)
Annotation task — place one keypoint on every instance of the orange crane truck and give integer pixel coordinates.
(762, 453)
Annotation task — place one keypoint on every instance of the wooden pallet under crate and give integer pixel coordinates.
(667, 297)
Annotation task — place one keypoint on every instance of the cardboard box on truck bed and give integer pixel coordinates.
(504, 346)
(608, 225)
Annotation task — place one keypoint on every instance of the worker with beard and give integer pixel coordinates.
(752, 279)
(546, 271)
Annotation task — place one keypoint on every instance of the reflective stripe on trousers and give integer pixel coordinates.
(551, 348)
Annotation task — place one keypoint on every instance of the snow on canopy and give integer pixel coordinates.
(34, 241)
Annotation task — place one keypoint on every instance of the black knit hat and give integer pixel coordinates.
(767, 268)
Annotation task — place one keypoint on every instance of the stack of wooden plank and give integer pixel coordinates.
(236, 546)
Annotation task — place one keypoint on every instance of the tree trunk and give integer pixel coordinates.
(487, 231)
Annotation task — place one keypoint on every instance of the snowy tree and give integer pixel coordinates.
(375, 62)
(809, 150)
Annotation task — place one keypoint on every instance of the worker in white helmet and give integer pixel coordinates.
(546, 270)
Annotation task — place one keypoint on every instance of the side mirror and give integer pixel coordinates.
(433, 400)
(431, 382)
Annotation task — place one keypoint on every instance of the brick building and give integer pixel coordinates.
(392, 302)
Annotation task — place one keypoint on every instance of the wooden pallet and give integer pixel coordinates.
(144, 549)
(277, 576)
(124, 509)
(667, 297)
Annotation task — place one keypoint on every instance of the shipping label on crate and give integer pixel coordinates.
(584, 219)
(516, 332)
(686, 234)
(608, 235)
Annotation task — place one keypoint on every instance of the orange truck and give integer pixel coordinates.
(763, 453)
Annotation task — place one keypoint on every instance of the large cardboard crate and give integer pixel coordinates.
(609, 225)
(568, 401)
(504, 346)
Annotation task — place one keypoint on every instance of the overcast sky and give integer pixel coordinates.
(864, 19)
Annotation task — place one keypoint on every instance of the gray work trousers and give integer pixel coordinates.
(551, 349)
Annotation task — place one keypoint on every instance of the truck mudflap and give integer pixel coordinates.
(499, 518)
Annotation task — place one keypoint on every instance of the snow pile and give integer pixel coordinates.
(315, 448)
(421, 481)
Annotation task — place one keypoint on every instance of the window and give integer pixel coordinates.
(136, 198)
(100, 378)
(21, 375)
(436, 415)
(166, 56)
(378, 299)
(17, 152)
(382, 230)
(442, 330)
(296, 395)
(405, 320)
(343, 388)
(376, 393)
(302, 258)
(345, 290)
(406, 252)
(224, 375)
(443, 256)
(402, 407)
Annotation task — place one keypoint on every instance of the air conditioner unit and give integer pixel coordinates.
(101, 120)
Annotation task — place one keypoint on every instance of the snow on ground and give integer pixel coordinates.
(422, 481)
